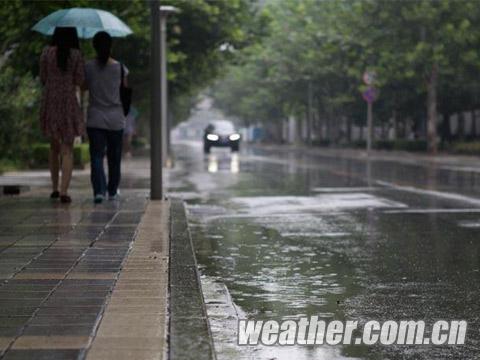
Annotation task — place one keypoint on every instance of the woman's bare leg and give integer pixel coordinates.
(54, 163)
(67, 167)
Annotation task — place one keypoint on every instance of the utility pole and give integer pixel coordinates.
(156, 156)
(369, 126)
(370, 95)
(310, 113)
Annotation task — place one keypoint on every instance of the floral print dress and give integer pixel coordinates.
(61, 117)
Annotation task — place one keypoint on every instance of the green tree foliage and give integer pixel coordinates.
(201, 40)
(19, 105)
(425, 52)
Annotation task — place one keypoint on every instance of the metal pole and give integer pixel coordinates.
(156, 160)
(369, 126)
(163, 90)
(310, 113)
(169, 162)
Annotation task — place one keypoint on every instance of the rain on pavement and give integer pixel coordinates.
(281, 234)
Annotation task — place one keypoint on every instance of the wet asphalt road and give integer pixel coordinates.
(282, 234)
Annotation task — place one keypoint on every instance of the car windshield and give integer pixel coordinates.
(223, 127)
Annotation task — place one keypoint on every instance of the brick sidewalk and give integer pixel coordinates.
(83, 281)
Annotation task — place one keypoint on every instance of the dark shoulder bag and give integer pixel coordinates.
(125, 93)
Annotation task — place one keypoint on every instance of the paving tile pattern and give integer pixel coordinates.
(58, 267)
(133, 325)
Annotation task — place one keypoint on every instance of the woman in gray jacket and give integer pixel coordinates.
(105, 119)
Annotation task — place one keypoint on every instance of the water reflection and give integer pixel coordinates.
(223, 162)
(234, 163)
(295, 235)
(212, 166)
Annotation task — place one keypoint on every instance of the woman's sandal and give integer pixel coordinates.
(55, 195)
(65, 199)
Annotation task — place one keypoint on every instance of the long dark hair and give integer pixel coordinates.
(102, 43)
(64, 38)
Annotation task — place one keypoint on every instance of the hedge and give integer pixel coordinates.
(399, 145)
(139, 142)
(9, 165)
(408, 145)
(40, 153)
(466, 148)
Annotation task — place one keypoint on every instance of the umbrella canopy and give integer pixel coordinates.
(87, 22)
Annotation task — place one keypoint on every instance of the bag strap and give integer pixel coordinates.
(121, 74)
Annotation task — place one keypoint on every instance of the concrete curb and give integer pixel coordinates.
(189, 335)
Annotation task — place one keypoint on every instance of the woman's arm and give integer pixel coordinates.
(125, 75)
(43, 66)
(84, 87)
(79, 71)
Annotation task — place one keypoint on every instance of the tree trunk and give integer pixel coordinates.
(320, 120)
(319, 130)
(395, 124)
(308, 119)
(309, 113)
(474, 125)
(329, 128)
(432, 111)
(279, 131)
(349, 130)
(446, 131)
(299, 130)
(461, 126)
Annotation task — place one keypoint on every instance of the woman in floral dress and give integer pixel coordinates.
(61, 71)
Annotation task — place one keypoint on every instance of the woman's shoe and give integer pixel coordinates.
(98, 199)
(115, 196)
(65, 199)
(55, 195)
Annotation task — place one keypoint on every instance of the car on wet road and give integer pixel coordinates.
(221, 133)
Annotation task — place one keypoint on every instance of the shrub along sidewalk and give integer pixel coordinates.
(40, 152)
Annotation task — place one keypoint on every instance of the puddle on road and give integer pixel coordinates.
(474, 224)
(269, 205)
(274, 267)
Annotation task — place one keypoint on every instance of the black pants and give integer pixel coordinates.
(101, 141)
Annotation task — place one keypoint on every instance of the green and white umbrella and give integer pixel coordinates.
(87, 21)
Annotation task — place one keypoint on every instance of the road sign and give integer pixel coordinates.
(369, 77)
(370, 95)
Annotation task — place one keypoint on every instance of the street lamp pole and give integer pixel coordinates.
(165, 10)
(156, 156)
(158, 121)
(310, 113)
(163, 90)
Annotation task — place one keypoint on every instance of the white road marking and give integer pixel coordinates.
(342, 189)
(431, 211)
(439, 194)
(262, 205)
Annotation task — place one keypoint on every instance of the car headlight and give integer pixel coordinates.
(234, 137)
(212, 137)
